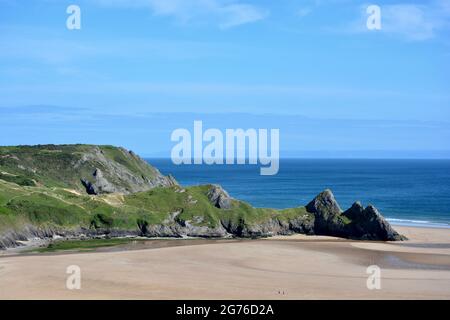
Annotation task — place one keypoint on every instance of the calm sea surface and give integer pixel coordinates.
(407, 192)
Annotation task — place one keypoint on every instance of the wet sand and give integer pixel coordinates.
(294, 267)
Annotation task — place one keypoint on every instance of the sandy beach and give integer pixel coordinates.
(291, 267)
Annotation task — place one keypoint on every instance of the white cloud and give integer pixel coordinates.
(225, 14)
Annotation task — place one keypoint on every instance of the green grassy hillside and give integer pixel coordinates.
(43, 186)
(76, 166)
(62, 208)
(85, 190)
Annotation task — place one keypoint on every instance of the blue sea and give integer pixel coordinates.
(406, 192)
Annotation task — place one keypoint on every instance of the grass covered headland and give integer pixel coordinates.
(88, 190)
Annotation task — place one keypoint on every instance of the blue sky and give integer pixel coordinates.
(139, 69)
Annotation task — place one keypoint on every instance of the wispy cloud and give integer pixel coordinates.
(224, 14)
(237, 14)
(307, 8)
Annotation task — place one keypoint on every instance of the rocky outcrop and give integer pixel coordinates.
(327, 214)
(219, 197)
(269, 228)
(185, 229)
(367, 223)
(355, 223)
(101, 185)
(110, 176)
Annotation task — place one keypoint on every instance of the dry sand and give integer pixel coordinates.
(295, 267)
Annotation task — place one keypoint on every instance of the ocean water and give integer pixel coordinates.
(406, 192)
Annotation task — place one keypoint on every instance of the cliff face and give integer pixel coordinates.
(88, 191)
